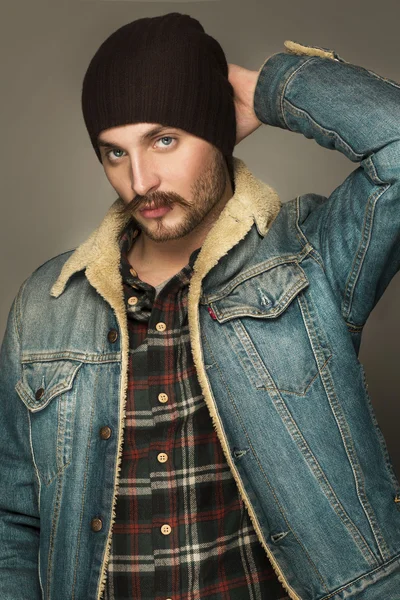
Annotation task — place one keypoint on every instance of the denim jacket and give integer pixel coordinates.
(277, 303)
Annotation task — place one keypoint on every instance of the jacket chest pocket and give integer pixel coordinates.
(272, 326)
(48, 390)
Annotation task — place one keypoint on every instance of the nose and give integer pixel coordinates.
(144, 178)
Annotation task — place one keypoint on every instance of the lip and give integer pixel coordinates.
(152, 213)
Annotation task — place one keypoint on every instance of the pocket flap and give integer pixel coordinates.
(42, 381)
(265, 295)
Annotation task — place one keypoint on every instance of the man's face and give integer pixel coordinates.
(178, 177)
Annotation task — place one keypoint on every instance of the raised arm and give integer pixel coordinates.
(341, 106)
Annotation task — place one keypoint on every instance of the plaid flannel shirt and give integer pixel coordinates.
(182, 531)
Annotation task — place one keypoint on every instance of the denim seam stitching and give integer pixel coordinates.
(25, 390)
(285, 300)
(335, 503)
(354, 328)
(359, 257)
(330, 133)
(39, 489)
(251, 352)
(266, 380)
(70, 355)
(54, 523)
(288, 81)
(18, 313)
(79, 533)
(298, 394)
(262, 469)
(391, 82)
(369, 573)
(354, 463)
(252, 272)
(316, 339)
(369, 166)
(264, 474)
(239, 356)
(301, 236)
(62, 442)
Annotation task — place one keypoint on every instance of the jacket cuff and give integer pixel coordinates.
(274, 75)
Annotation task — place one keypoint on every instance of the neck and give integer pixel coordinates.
(157, 261)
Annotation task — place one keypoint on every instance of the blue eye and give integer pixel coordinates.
(113, 150)
(167, 138)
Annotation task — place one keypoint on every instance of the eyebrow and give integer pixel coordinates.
(152, 132)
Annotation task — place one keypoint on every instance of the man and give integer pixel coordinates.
(182, 403)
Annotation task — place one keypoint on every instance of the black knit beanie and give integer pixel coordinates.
(165, 70)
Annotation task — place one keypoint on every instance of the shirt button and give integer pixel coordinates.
(39, 393)
(105, 433)
(133, 272)
(166, 529)
(161, 326)
(112, 335)
(162, 457)
(132, 300)
(96, 524)
(163, 397)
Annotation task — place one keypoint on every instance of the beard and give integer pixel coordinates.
(207, 191)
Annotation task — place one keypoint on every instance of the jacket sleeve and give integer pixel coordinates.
(356, 231)
(19, 516)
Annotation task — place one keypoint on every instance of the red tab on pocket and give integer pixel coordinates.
(212, 313)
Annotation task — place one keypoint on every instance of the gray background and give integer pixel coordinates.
(53, 189)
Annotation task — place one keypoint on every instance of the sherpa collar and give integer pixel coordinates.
(252, 202)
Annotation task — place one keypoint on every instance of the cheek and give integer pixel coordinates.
(184, 174)
(120, 182)
(193, 163)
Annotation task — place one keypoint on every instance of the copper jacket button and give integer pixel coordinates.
(39, 393)
(112, 335)
(105, 433)
(96, 524)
